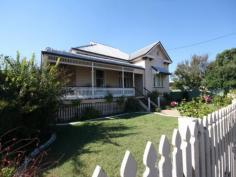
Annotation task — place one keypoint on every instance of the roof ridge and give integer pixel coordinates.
(107, 45)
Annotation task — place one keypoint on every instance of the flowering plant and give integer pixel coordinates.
(173, 104)
(207, 98)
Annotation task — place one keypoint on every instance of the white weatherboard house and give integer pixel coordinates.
(97, 69)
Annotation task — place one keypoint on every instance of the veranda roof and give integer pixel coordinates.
(89, 58)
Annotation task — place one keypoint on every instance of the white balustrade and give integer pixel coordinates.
(87, 92)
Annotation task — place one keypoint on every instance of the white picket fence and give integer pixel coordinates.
(200, 148)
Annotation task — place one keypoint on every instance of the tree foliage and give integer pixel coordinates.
(221, 73)
(189, 74)
(29, 94)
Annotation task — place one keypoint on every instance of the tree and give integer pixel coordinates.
(189, 74)
(220, 74)
(30, 95)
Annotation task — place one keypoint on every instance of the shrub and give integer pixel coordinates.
(153, 96)
(90, 113)
(14, 150)
(120, 101)
(221, 101)
(76, 102)
(232, 94)
(30, 95)
(176, 96)
(7, 171)
(109, 98)
(199, 107)
(164, 101)
(194, 108)
(132, 105)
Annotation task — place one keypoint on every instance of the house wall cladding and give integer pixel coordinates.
(158, 61)
(69, 113)
(200, 148)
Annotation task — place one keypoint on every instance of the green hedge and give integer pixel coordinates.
(187, 95)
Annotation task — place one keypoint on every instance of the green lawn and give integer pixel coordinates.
(104, 142)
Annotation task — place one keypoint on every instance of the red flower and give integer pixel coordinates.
(173, 104)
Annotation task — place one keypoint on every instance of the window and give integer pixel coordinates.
(128, 80)
(158, 80)
(99, 78)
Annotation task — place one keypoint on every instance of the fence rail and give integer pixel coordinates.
(68, 113)
(200, 148)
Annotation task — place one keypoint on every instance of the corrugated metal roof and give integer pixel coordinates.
(90, 58)
(142, 51)
(104, 50)
(106, 54)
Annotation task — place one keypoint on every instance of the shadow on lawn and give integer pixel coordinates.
(131, 115)
(72, 139)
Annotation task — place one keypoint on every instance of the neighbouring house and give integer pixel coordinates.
(97, 69)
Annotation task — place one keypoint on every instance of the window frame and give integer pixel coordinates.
(100, 78)
(158, 81)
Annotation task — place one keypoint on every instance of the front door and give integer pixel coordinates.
(138, 82)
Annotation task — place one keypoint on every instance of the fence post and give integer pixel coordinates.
(177, 168)
(149, 160)
(158, 102)
(149, 104)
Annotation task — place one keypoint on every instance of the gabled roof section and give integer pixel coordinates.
(102, 49)
(142, 51)
(145, 50)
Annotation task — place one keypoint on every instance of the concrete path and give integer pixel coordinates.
(171, 112)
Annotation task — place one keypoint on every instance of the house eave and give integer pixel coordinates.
(90, 58)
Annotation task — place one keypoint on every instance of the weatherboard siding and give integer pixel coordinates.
(149, 75)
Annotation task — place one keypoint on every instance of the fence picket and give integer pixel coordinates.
(194, 147)
(202, 149)
(98, 172)
(128, 166)
(186, 153)
(177, 168)
(149, 160)
(165, 167)
(207, 146)
(211, 141)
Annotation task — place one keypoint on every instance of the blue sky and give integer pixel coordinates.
(31, 25)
